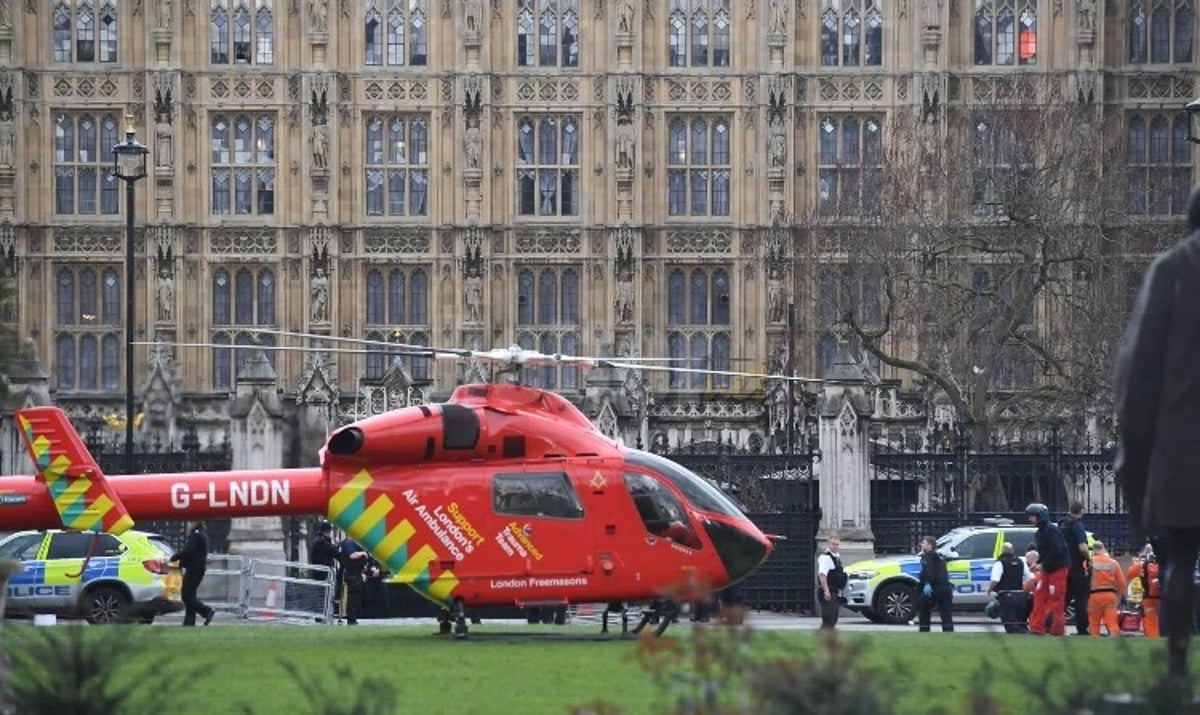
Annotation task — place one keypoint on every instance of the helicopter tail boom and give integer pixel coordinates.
(81, 496)
(28, 503)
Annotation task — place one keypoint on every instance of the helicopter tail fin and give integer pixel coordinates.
(84, 499)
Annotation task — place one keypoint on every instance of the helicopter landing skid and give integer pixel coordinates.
(453, 621)
(616, 607)
(663, 613)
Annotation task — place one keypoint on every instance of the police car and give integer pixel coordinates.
(885, 590)
(104, 578)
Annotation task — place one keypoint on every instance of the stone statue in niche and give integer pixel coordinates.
(165, 293)
(165, 154)
(473, 146)
(777, 143)
(318, 15)
(6, 14)
(625, 297)
(1087, 15)
(474, 298)
(775, 296)
(625, 139)
(472, 15)
(320, 129)
(625, 16)
(163, 14)
(8, 138)
(625, 144)
(320, 296)
(931, 12)
(320, 146)
(778, 17)
(8, 129)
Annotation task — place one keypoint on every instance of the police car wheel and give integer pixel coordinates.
(896, 603)
(870, 615)
(104, 605)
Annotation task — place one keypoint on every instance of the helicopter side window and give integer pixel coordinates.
(548, 495)
(661, 512)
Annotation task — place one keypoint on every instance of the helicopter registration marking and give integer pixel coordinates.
(246, 492)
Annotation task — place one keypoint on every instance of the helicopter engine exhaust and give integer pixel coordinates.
(412, 434)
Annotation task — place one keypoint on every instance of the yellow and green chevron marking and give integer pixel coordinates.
(82, 502)
(381, 530)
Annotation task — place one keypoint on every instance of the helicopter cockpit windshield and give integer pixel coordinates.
(698, 492)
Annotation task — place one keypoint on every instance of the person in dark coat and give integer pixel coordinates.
(936, 589)
(323, 552)
(193, 559)
(354, 562)
(1157, 391)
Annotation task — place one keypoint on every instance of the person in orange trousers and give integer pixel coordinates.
(1108, 585)
(1146, 569)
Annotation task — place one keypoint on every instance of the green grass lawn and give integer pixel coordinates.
(514, 668)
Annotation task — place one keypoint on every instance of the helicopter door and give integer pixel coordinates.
(540, 528)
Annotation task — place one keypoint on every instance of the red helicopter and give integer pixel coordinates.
(504, 495)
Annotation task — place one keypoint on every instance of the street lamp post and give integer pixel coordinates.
(129, 165)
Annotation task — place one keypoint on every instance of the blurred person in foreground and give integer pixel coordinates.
(1157, 391)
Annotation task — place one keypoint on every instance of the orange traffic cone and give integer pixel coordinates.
(272, 595)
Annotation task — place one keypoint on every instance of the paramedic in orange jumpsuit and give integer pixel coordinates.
(1108, 585)
(1152, 595)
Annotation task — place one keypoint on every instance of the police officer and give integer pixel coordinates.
(193, 559)
(1009, 575)
(354, 561)
(323, 553)
(935, 587)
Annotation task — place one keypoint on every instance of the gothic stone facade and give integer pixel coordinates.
(584, 176)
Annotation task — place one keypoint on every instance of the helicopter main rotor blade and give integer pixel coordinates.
(274, 348)
(717, 373)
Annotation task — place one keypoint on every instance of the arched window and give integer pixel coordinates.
(548, 318)
(1159, 163)
(85, 31)
(851, 33)
(86, 317)
(242, 32)
(548, 33)
(242, 158)
(397, 166)
(698, 33)
(548, 166)
(83, 181)
(698, 326)
(1161, 31)
(850, 165)
(406, 26)
(221, 301)
(699, 171)
(1006, 32)
(243, 297)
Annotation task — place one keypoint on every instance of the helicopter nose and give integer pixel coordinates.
(741, 550)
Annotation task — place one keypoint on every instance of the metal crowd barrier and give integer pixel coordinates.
(269, 590)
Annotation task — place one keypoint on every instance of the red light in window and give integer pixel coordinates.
(1028, 45)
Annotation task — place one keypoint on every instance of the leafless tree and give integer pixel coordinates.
(987, 260)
